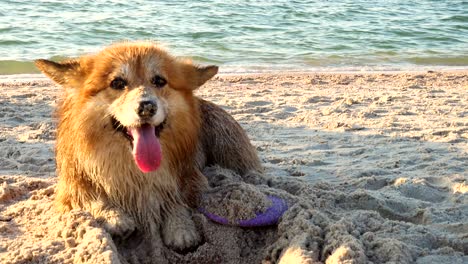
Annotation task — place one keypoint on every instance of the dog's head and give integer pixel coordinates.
(134, 85)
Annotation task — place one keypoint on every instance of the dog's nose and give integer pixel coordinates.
(147, 109)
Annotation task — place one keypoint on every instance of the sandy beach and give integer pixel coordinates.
(374, 167)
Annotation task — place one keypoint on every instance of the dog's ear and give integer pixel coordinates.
(68, 74)
(186, 76)
(205, 73)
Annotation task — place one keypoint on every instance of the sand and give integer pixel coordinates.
(373, 166)
(232, 198)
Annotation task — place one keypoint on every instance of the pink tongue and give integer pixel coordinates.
(146, 148)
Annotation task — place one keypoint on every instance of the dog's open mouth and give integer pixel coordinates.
(146, 147)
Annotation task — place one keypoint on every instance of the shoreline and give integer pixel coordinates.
(22, 77)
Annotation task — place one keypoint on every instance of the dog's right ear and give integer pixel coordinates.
(68, 74)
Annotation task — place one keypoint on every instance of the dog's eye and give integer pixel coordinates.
(118, 84)
(158, 81)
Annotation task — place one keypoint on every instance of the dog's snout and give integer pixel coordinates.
(147, 109)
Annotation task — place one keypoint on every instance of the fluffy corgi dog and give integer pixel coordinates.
(132, 139)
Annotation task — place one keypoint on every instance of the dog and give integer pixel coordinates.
(132, 139)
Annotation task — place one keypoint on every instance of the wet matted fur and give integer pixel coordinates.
(102, 113)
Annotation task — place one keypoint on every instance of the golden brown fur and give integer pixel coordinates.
(94, 161)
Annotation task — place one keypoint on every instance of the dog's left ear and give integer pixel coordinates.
(205, 73)
(187, 76)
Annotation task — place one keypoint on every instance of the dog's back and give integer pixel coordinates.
(223, 142)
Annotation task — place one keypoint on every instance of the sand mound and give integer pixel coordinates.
(33, 233)
(373, 167)
(321, 225)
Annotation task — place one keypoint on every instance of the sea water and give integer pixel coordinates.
(242, 35)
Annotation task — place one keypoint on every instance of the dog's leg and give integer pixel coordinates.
(114, 220)
(72, 195)
(179, 231)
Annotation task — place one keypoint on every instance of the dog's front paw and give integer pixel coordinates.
(179, 231)
(117, 223)
(183, 238)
